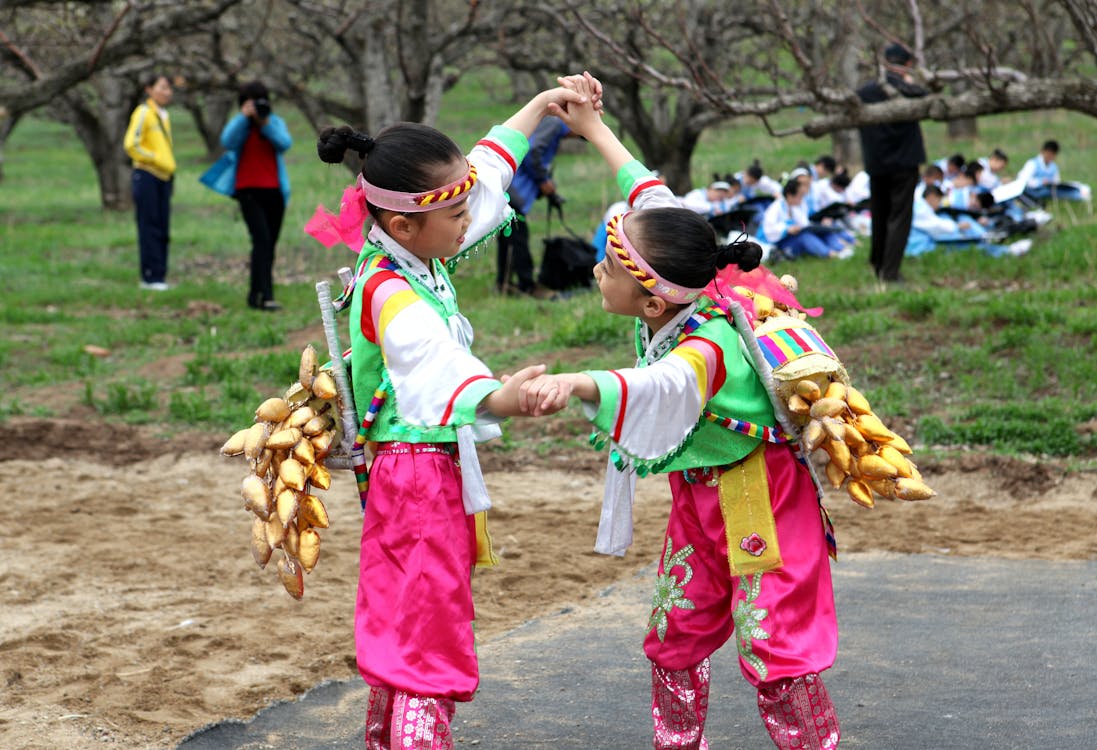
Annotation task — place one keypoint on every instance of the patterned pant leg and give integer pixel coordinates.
(420, 723)
(378, 718)
(679, 703)
(798, 713)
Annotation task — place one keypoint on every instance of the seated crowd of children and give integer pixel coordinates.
(820, 208)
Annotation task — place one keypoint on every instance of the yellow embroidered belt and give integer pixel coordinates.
(748, 516)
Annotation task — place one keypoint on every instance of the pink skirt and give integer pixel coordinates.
(413, 618)
(783, 620)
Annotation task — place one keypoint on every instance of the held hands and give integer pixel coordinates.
(529, 392)
(584, 115)
(544, 395)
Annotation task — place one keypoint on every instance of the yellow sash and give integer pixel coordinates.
(748, 516)
(485, 555)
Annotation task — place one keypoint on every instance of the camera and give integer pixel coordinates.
(262, 108)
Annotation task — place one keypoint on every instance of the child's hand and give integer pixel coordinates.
(580, 117)
(543, 395)
(505, 401)
(591, 84)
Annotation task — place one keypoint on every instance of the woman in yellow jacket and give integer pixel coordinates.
(148, 142)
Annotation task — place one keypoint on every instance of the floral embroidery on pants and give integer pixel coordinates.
(669, 590)
(748, 623)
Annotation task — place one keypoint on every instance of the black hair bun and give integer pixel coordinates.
(333, 144)
(745, 254)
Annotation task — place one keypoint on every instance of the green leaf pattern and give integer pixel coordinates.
(669, 590)
(748, 623)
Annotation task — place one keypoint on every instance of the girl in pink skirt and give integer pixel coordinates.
(745, 553)
(424, 401)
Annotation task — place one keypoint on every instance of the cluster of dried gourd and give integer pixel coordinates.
(863, 454)
(285, 449)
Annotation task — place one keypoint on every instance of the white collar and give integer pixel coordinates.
(662, 341)
(413, 264)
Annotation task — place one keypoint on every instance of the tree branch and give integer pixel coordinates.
(21, 98)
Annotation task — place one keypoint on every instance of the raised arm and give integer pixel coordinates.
(551, 101)
(586, 120)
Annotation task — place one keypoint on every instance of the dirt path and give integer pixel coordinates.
(132, 612)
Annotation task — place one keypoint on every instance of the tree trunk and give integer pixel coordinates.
(670, 153)
(100, 127)
(675, 164)
(7, 125)
(966, 127)
(210, 113)
(845, 146)
(961, 127)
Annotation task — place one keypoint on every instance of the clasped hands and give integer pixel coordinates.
(531, 392)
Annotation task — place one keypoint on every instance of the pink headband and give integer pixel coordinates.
(395, 200)
(330, 229)
(634, 263)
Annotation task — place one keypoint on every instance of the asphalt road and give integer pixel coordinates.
(935, 653)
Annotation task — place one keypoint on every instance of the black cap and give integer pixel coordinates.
(898, 54)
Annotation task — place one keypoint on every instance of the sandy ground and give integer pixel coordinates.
(131, 612)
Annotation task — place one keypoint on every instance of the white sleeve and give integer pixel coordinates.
(774, 222)
(1026, 173)
(648, 411)
(427, 368)
(488, 201)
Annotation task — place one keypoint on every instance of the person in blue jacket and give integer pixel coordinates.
(532, 179)
(253, 172)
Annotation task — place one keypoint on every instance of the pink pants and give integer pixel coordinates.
(783, 619)
(413, 618)
(396, 720)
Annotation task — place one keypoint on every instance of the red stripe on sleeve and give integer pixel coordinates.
(620, 424)
(641, 187)
(453, 399)
(721, 375)
(499, 150)
(366, 320)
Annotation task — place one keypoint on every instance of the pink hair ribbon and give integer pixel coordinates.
(761, 281)
(330, 229)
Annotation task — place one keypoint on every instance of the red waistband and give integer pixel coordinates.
(395, 448)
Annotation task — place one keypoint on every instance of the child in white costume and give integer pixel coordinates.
(424, 400)
(745, 553)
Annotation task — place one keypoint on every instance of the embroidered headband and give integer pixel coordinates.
(645, 275)
(346, 227)
(395, 200)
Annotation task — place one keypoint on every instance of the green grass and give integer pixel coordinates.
(974, 352)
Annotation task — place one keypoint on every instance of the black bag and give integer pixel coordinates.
(568, 262)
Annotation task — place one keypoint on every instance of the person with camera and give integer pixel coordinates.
(532, 179)
(253, 172)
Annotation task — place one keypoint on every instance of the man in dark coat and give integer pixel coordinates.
(892, 154)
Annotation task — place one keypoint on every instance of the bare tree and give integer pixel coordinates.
(620, 41)
(981, 57)
(82, 62)
(372, 64)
